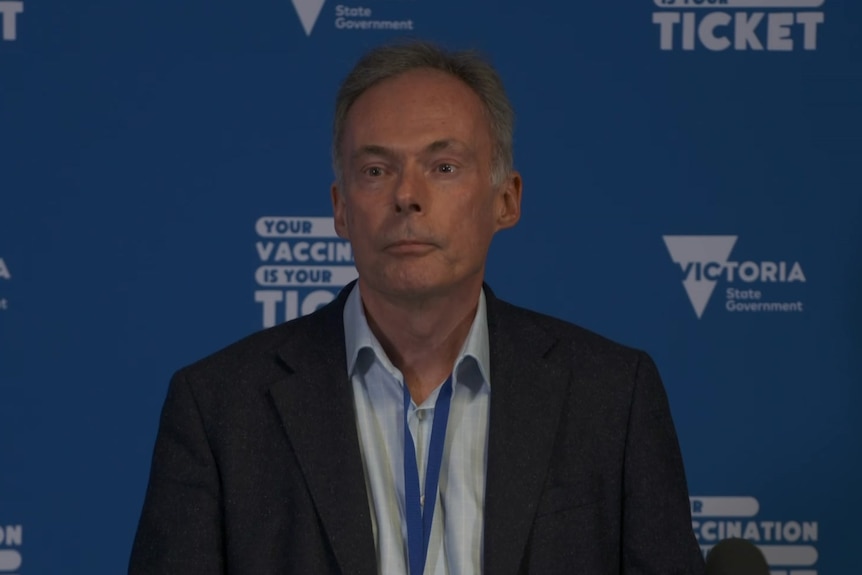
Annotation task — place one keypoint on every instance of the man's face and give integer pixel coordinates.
(416, 200)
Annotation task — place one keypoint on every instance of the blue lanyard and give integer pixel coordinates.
(419, 522)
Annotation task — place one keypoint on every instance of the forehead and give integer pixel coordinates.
(422, 103)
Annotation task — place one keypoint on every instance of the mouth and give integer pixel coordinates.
(409, 247)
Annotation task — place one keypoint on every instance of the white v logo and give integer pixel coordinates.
(690, 251)
(308, 11)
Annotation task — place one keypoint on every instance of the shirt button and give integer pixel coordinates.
(420, 414)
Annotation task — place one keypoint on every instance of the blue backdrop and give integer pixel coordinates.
(692, 187)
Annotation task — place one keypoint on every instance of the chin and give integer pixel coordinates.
(415, 281)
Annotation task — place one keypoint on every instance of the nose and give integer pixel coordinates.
(411, 195)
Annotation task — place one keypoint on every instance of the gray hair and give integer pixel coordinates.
(392, 60)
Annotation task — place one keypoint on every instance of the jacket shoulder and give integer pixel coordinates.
(578, 338)
(261, 348)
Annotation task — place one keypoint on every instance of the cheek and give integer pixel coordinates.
(482, 216)
(362, 227)
(355, 216)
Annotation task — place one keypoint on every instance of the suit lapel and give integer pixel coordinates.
(315, 402)
(528, 387)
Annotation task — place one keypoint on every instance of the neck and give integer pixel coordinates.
(421, 336)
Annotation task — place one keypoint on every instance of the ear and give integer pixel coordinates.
(509, 201)
(339, 211)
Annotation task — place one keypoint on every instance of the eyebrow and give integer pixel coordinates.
(440, 145)
(374, 150)
(384, 152)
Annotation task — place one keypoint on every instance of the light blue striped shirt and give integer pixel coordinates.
(455, 547)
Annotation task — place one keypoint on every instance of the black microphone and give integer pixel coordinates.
(736, 557)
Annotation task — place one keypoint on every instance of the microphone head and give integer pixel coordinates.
(736, 557)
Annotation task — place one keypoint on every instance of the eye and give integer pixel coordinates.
(446, 168)
(374, 171)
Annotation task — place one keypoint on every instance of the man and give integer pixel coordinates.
(418, 424)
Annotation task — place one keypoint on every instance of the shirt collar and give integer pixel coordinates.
(472, 363)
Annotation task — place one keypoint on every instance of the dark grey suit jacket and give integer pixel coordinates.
(257, 467)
